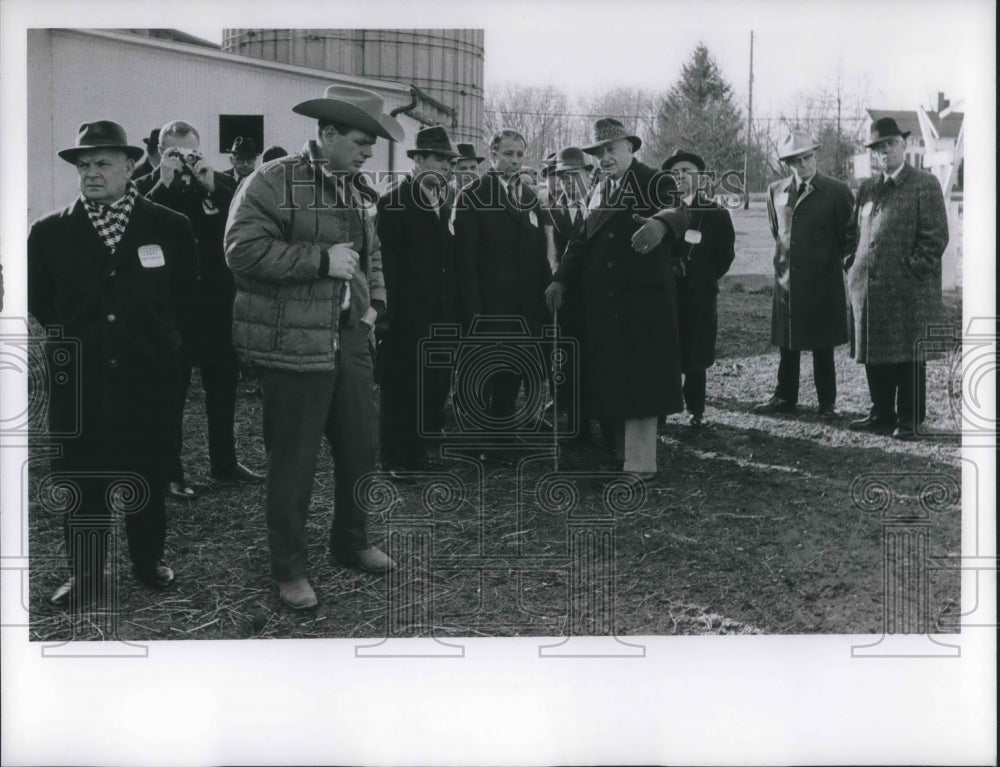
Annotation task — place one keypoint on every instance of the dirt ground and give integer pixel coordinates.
(779, 525)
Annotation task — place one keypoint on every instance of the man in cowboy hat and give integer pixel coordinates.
(623, 264)
(418, 258)
(243, 156)
(810, 216)
(502, 260)
(115, 273)
(894, 282)
(152, 159)
(186, 183)
(302, 245)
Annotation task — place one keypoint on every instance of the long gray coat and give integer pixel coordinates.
(894, 279)
(811, 239)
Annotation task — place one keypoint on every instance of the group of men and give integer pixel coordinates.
(297, 266)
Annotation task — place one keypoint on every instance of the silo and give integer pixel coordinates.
(445, 64)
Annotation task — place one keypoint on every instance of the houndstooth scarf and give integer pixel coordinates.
(110, 220)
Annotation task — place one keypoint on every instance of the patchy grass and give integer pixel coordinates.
(755, 524)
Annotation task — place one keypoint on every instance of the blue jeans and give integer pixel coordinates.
(299, 410)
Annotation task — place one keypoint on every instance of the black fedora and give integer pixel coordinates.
(244, 146)
(606, 130)
(884, 128)
(571, 158)
(468, 152)
(101, 134)
(154, 139)
(433, 138)
(548, 164)
(680, 155)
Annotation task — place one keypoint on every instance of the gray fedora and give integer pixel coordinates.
(571, 158)
(354, 107)
(797, 142)
(608, 129)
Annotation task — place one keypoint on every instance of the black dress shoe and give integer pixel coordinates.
(238, 473)
(904, 432)
(776, 405)
(872, 424)
(181, 490)
(157, 576)
(827, 412)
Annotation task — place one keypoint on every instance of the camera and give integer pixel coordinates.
(498, 344)
(189, 157)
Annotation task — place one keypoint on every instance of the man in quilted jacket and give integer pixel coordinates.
(302, 245)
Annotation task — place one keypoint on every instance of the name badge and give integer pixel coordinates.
(151, 256)
(532, 218)
(781, 199)
(693, 236)
(866, 209)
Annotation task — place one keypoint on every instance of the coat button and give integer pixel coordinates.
(611, 264)
(112, 363)
(113, 273)
(111, 318)
(611, 235)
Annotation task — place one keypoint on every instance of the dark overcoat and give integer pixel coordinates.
(894, 278)
(812, 236)
(122, 322)
(704, 262)
(216, 287)
(418, 261)
(631, 348)
(503, 269)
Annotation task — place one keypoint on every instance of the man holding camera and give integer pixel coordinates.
(184, 182)
(115, 274)
(309, 290)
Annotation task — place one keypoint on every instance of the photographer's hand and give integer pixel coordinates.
(170, 166)
(343, 261)
(205, 175)
(554, 295)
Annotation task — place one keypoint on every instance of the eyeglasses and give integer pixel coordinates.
(802, 158)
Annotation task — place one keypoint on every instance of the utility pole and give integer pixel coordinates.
(746, 153)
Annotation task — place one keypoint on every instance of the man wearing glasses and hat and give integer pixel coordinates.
(810, 217)
(115, 273)
(243, 156)
(418, 259)
(894, 281)
(309, 288)
(623, 262)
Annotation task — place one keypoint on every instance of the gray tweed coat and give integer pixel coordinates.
(894, 275)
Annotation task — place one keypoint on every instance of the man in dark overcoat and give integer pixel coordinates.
(113, 273)
(623, 262)
(810, 217)
(894, 280)
(503, 270)
(418, 260)
(704, 255)
(184, 182)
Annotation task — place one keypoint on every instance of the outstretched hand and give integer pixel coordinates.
(649, 235)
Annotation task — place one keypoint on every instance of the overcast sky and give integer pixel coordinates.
(901, 53)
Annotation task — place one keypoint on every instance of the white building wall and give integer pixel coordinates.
(77, 76)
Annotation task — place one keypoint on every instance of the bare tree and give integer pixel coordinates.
(541, 115)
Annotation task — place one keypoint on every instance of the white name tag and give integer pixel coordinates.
(151, 256)
(693, 236)
(781, 199)
(532, 218)
(866, 209)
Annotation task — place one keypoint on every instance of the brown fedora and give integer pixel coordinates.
(433, 138)
(884, 128)
(354, 107)
(606, 130)
(571, 158)
(468, 152)
(101, 134)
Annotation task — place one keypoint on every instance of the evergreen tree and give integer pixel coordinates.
(698, 115)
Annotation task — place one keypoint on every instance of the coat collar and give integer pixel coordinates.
(517, 211)
(82, 230)
(598, 217)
